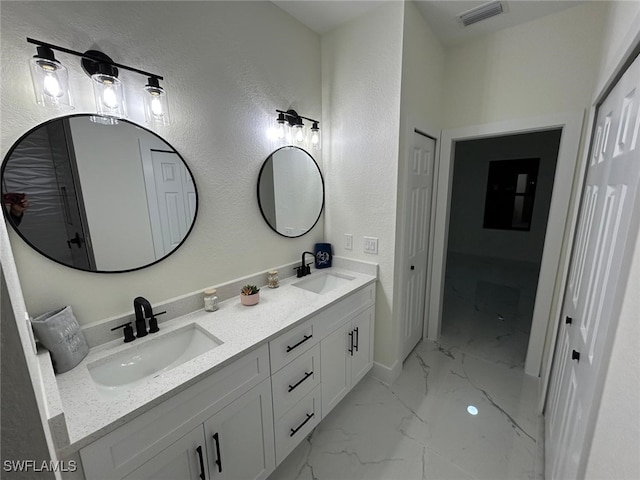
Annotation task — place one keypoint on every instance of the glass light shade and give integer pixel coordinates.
(50, 83)
(315, 137)
(298, 134)
(109, 95)
(156, 106)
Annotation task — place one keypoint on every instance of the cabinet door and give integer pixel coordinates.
(185, 459)
(240, 437)
(335, 367)
(362, 359)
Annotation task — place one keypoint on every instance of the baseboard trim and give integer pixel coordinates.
(385, 374)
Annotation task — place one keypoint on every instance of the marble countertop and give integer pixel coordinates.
(89, 414)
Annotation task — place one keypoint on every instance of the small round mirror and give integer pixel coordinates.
(291, 191)
(98, 194)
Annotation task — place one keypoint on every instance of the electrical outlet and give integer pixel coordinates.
(348, 241)
(371, 245)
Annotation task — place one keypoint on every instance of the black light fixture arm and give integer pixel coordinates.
(293, 114)
(90, 56)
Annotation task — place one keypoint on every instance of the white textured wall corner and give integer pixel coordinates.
(361, 77)
(540, 67)
(227, 67)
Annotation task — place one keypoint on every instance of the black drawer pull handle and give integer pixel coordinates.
(218, 462)
(295, 430)
(357, 340)
(306, 337)
(351, 343)
(199, 450)
(575, 356)
(568, 320)
(306, 375)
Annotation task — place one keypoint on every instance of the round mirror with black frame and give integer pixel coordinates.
(290, 191)
(98, 194)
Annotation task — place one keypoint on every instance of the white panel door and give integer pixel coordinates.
(171, 197)
(173, 203)
(605, 231)
(418, 222)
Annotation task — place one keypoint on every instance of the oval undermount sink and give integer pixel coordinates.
(323, 282)
(120, 372)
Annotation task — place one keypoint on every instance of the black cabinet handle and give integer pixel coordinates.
(568, 320)
(295, 430)
(351, 342)
(413, 267)
(575, 356)
(306, 337)
(306, 375)
(202, 476)
(357, 340)
(218, 462)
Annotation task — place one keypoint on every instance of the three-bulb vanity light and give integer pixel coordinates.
(291, 129)
(51, 84)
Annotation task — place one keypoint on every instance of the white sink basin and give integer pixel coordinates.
(118, 373)
(323, 282)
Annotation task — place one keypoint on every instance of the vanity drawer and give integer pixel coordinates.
(294, 381)
(120, 452)
(291, 344)
(330, 319)
(296, 424)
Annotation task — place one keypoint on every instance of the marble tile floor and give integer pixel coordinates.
(421, 427)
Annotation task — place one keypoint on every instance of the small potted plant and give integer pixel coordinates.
(249, 295)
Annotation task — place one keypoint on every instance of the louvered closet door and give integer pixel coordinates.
(606, 228)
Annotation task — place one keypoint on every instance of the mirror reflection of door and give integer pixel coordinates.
(171, 197)
(45, 170)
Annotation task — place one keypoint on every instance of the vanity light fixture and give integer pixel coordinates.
(291, 128)
(50, 82)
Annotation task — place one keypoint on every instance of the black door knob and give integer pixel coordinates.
(568, 320)
(575, 356)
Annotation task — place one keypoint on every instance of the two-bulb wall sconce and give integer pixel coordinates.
(51, 84)
(290, 129)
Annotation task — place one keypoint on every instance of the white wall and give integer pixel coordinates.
(471, 170)
(616, 438)
(361, 69)
(423, 60)
(228, 66)
(543, 66)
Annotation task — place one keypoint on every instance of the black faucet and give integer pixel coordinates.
(142, 309)
(304, 268)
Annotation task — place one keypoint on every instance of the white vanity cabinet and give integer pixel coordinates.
(235, 443)
(315, 364)
(234, 402)
(245, 418)
(347, 355)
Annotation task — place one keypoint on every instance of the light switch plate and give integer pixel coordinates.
(348, 241)
(371, 245)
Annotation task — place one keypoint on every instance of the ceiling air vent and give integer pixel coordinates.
(480, 13)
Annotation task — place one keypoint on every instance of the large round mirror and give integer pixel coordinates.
(98, 194)
(290, 191)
